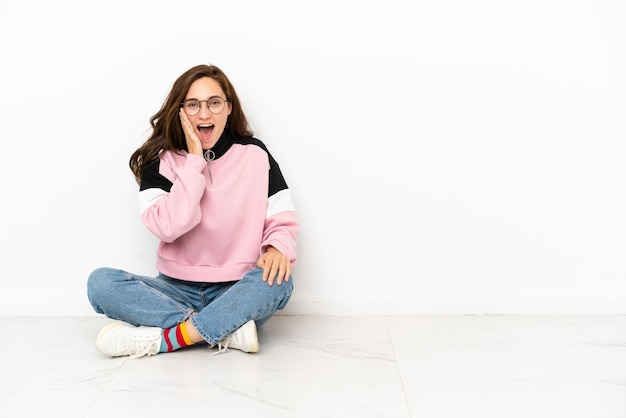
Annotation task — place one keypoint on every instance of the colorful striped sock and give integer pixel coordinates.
(175, 338)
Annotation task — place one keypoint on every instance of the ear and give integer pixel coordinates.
(230, 107)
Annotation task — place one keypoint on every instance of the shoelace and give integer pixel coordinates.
(147, 350)
(222, 346)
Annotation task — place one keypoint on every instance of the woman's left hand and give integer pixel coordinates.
(194, 146)
(276, 267)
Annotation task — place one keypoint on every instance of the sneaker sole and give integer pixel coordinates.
(254, 346)
(102, 333)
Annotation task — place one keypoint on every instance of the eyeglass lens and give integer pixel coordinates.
(192, 106)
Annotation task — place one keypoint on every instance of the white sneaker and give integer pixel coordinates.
(119, 339)
(243, 338)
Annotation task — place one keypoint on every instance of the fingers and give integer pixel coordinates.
(275, 270)
(193, 142)
(184, 121)
(270, 271)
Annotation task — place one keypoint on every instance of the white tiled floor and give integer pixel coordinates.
(310, 366)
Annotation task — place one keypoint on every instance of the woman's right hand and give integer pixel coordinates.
(194, 146)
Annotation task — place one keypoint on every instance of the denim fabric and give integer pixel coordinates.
(165, 302)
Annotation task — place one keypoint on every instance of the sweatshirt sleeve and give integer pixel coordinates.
(281, 222)
(169, 196)
(281, 232)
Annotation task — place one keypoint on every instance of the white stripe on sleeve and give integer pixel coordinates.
(148, 197)
(279, 202)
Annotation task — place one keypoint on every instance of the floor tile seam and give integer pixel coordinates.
(400, 375)
(105, 388)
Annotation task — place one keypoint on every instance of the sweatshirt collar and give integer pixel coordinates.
(222, 145)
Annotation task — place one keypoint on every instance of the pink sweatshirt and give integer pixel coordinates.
(215, 218)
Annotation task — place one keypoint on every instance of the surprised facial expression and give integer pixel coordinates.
(207, 125)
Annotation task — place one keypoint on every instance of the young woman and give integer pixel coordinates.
(218, 202)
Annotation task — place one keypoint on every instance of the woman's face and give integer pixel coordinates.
(207, 125)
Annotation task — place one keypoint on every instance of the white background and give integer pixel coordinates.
(444, 156)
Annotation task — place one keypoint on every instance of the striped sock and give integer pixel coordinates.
(175, 338)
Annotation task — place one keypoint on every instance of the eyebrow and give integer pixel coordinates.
(212, 97)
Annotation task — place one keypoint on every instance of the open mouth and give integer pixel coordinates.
(205, 130)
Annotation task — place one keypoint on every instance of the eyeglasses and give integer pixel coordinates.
(215, 104)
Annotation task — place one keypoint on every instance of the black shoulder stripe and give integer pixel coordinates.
(276, 180)
(151, 178)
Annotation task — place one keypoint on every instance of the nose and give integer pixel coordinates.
(204, 110)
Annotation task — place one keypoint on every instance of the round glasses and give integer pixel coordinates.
(215, 104)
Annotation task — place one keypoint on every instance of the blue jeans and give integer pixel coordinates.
(164, 302)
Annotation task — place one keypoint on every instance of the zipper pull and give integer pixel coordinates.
(209, 156)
